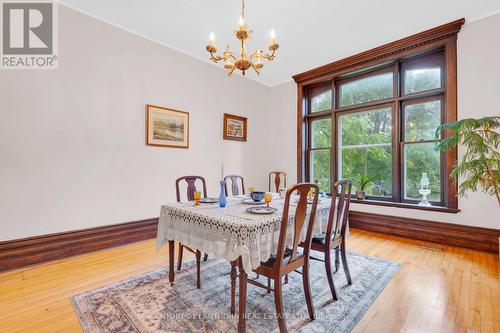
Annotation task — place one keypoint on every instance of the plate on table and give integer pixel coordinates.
(262, 210)
(252, 202)
(209, 200)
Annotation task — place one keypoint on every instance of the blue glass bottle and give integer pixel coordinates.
(222, 196)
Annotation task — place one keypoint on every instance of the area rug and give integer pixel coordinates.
(147, 303)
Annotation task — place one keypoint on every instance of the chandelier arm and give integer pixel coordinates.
(215, 58)
(255, 69)
(271, 56)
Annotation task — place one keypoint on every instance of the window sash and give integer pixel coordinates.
(397, 104)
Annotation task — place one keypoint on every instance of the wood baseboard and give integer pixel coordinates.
(34, 250)
(476, 238)
(28, 251)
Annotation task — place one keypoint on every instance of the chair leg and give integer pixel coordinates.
(337, 260)
(329, 276)
(233, 287)
(307, 290)
(344, 264)
(268, 285)
(179, 257)
(205, 257)
(198, 277)
(278, 300)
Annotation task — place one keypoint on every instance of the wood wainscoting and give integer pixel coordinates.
(34, 250)
(476, 238)
(28, 251)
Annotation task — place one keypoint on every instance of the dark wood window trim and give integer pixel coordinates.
(379, 59)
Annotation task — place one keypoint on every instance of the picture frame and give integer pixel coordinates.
(166, 127)
(235, 127)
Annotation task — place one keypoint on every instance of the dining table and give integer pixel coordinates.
(232, 233)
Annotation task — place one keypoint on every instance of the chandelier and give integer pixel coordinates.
(242, 62)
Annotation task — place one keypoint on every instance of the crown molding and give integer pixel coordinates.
(379, 54)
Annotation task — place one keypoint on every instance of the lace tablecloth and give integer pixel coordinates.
(231, 232)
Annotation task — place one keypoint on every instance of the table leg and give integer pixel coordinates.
(242, 302)
(233, 286)
(171, 271)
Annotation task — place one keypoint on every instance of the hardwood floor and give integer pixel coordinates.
(447, 291)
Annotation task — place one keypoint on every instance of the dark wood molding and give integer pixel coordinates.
(405, 205)
(34, 250)
(28, 251)
(379, 54)
(476, 238)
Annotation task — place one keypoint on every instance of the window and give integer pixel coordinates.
(365, 147)
(421, 118)
(319, 140)
(381, 123)
(367, 89)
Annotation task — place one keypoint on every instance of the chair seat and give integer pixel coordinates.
(272, 259)
(320, 239)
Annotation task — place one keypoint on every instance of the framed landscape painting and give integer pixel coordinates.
(235, 127)
(166, 127)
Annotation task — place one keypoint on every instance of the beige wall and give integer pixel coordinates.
(72, 152)
(478, 86)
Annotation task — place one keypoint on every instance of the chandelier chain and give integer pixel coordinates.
(243, 9)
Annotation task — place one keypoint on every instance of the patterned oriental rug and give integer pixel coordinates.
(147, 303)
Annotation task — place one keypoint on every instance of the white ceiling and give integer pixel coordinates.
(311, 33)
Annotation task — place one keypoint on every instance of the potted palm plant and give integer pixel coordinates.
(480, 163)
(363, 183)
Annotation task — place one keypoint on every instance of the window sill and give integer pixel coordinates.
(406, 205)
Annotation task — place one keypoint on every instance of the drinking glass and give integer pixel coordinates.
(267, 198)
(251, 189)
(197, 196)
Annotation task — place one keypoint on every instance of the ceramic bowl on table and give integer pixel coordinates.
(257, 196)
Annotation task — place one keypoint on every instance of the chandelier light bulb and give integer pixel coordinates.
(273, 34)
(241, 22)
(212, 36)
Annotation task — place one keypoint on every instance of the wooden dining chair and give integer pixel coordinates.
(277, 180)
(235, 187)
(288, 259)
(191, 188)
(334, 237)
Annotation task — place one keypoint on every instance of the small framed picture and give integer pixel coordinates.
(166, 127)
(235, 127)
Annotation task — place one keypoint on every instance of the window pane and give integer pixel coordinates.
(372, 88)
(321, 135)
(422, 79)
(320, 170)
(422, 120)
(321, 102)
(366, 149)
(419, 158)
(369, 127)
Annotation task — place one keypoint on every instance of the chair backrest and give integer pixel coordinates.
(339, 210)
(299, 219)
(277, 180)
(235, 189)
(191, 187)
